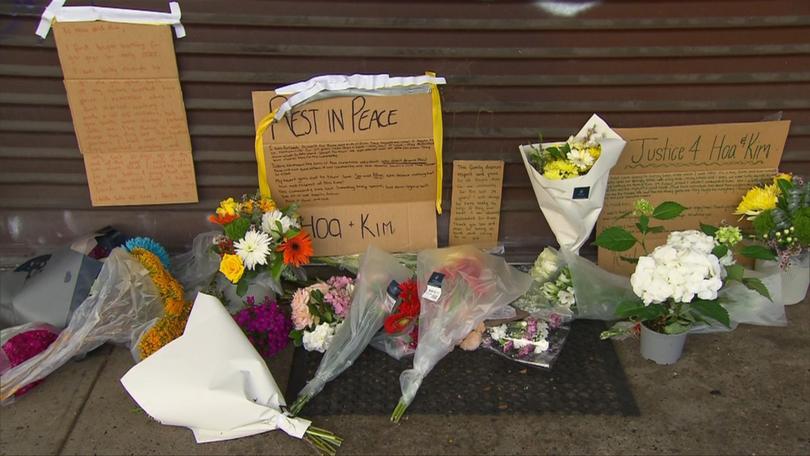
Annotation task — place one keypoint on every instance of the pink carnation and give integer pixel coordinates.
(300, 311)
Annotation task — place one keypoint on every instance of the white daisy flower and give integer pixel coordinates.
(253, 248)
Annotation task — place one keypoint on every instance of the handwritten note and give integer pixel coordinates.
(128, 112)
(476, 202)
(363, 169)
(707, 168)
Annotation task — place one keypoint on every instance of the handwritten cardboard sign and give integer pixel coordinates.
(707, 168)
(363, 169)
(128, 112)
(476, 202)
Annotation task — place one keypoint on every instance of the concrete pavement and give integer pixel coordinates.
(745, 392)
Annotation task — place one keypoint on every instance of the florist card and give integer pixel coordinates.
(128, 112)
(706, 168)
(363, 169)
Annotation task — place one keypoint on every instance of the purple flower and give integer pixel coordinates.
(508, 346)
(525, 351)
(339, 295)
(554, 321)
(265, 326)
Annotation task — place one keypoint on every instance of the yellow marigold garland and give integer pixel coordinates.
(175, 308)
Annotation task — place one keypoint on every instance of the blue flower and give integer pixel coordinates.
(150, 245)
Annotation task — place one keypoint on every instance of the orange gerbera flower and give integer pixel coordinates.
(297, 249)
(222, 219)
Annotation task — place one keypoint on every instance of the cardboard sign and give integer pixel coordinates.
(476, 202)
(707, 168)
(128, 112)
(362, 168)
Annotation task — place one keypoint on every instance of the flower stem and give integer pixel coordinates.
(299, 404)
(399, 411)
(324, 442)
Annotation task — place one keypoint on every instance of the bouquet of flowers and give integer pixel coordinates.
(318, 310)
(124, 299)
(258, 238)
(532, 341)
(266, 327)
(570, 179)
(677, 285)
(400, 334)
(377, 292)
(459, 287)
(219, 387)
(552, 290)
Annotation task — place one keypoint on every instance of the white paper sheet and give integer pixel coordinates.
(211, 380)
(570, 216)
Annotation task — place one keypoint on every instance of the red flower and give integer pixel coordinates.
(409, 296)
(397, 323)
(222, 219)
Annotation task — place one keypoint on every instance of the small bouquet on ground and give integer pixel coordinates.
(780, 214)
(532, 341)
(570, 179)
(265, 325)
(376, 293)
(219, 387)
(459, 288)
(259, 239)
(552, 291)
(400, 334)
(318, 310)
(125, 298)
(679, 285)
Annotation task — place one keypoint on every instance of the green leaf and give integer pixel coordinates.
(616, 239)
(675, 328)
(643, 224)
(667, 210)
(623, 215)
(638, 311)
(236, 230)
(759, 252)
(755, 284)
(720, 251)
(242, 287)
(735, 272)
(708, 229)
(713, 310)
(277, 267)
(655, 229)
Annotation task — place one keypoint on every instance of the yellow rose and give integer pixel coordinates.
(227, 207)
(232, 267)
(757, 199)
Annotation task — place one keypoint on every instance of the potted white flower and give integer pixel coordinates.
(677, 285)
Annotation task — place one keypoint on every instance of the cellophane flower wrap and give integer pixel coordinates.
(474, 286)
(571, 202)
(533, 341)
(123, 299)
(20, 343)
(370, 305)
(400, 334)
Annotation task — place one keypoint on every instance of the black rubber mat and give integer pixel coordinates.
(586, 380)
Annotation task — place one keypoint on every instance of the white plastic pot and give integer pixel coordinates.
(661, 348)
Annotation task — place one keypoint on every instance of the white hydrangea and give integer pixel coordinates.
(681, 269)
(270, 220)
(319, 338)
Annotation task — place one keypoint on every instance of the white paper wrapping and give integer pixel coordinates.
(572, 217)
(211, 380)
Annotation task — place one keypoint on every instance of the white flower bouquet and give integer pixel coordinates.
(570, 179)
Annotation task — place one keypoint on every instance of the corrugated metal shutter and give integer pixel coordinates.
(513, 70)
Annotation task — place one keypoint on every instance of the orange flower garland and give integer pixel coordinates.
(176, 309)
